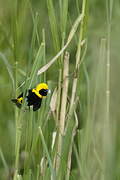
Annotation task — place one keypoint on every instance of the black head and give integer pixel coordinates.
(43, 92)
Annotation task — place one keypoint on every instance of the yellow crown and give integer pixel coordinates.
(41, 86)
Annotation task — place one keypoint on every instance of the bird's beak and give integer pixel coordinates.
(49, 91)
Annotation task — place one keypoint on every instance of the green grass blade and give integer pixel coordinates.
(9, 69)
(36, 65)
(53, 25)
(47, 154)
(63, 15)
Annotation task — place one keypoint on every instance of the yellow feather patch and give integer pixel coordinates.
(20, 100)
(41, 86)
(37, 93)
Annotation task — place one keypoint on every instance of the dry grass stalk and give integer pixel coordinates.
(78, 56)
(71, 146)
(63, 107)
(70, 37)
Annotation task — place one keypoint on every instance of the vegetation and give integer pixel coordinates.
(73, 47)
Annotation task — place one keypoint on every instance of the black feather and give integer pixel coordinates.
(15, 101)
(33, 100)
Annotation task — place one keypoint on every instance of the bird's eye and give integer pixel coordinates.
(43, 92)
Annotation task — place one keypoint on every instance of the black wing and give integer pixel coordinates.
(37, 105)
(15, 101)
(33, 100)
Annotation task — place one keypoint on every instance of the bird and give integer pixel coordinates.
(33, 96)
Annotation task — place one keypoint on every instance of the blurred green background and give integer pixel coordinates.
(17, 23)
